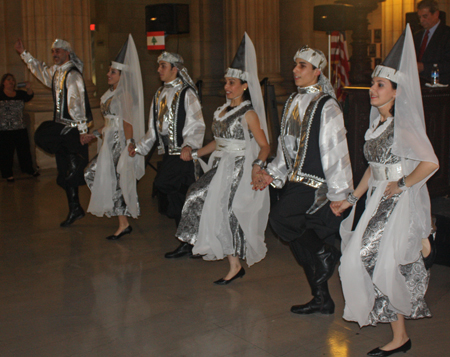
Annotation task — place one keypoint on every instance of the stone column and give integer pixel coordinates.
(44, 21)
(394, 21)
(360, 63)
(261, 20)
(206, 36)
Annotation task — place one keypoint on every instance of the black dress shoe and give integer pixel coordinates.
(74, 214)
(10, 179)
(326, 307)
(127, 230)
(321, 303)
(239, 274)
(182, 250)
(381, 353)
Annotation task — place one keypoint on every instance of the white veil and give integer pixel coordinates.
(410, 137)
(411, 142)
(410, 221)
(251, 67)
(130, 97)
(253, 206)
(250, 207)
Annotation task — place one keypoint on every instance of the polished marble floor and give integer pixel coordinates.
(70, 292)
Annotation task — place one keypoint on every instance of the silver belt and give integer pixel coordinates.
(392, 172)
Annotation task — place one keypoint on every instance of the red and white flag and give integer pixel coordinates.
(339, 63)
(155, 40)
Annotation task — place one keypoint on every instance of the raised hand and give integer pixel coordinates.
(19, 46)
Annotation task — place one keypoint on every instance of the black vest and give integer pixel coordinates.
(313, 163)
(181, 116)
(65, 112)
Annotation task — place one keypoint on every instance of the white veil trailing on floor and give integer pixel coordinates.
(130, 94)
(127, 103)
(411, 142)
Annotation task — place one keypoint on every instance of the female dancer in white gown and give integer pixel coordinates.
(222, 215)
(382, 270)
(112, 175)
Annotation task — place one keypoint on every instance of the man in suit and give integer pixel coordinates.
(433, 42)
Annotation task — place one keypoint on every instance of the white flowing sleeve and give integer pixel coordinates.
(144, 145)
(39, 69)
(76, 99)
(194, 127)
(278, 168)
(334, 152)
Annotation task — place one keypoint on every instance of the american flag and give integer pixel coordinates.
(339, 63)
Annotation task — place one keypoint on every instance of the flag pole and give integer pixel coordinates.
(329, 55)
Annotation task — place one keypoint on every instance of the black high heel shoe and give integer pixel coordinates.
(127, 230)
(381, 353)
(222, 281)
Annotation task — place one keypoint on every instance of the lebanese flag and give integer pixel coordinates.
(155, 40)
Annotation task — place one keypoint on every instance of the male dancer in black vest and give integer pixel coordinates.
(176, 122)
(64, 136)
(313, 167)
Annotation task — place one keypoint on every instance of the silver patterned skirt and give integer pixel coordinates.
(415, 274)
(120, 207)
(193, 207)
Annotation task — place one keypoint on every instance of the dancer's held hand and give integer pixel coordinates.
(338, 207)
(260, 178)
(131, 150)
(185, 154)
(86, 138)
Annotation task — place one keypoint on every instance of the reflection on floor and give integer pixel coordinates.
(70, 292)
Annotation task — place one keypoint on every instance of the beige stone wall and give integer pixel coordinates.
(205, 49)
(114, 20)
(10, 31)
(297, 30)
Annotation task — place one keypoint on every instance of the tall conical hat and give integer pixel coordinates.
(391, 64)
(237, 68)
(118, 63)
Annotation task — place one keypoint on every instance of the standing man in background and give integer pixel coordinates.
(432, 43)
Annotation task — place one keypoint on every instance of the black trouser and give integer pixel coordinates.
(302, 231)
(11, 140)
(48, 137)
(172, 183)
